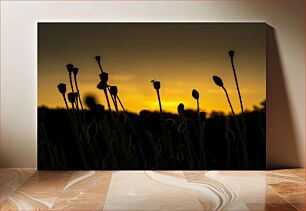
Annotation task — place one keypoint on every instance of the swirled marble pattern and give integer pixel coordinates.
(12, 179)
(28, 189)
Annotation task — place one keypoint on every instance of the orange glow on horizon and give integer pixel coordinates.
(142, 96)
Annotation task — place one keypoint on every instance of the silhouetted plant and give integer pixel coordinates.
(70, 70)
(114, 91)
(218, 81)
(75, 71)
(231, 54)
(156, 85)
(103, 77)
(195, 95)
(98, 59)
(62, 89)
(182, 128)
(103, 83)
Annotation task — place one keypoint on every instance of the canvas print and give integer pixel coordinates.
(151, 96)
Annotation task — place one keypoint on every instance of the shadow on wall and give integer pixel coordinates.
(281, 141)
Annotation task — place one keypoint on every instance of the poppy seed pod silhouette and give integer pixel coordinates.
(102, 85)
(98, 58)
(71, 97)
(231, 53)
(218, 81)
(75, 70)
(103, 76)
(195, 94)
(62, 88)
(156, 84)
(69, 68)
(113, 90)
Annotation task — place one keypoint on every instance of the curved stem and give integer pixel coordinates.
(116, 106)
(121, 104)
(238, 127)
(229, 101)
(106, 96)
(127, 117)
(66, 102)
(113, 98)
(241, 105)
(77, 88)
(76, 103)
(237, 85)
(70, 79)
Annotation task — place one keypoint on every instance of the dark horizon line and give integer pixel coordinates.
(156, 111)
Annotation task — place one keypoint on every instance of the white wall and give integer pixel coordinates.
(285, 144)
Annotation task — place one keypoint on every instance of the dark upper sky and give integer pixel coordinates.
(183, 56)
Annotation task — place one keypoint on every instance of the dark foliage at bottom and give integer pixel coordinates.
(99, 139)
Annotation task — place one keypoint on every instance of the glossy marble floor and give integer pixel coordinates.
(28, 189)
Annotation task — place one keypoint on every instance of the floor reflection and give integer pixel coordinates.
(28, 189)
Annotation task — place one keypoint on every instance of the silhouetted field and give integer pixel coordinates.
(100, 138)
(108, 142)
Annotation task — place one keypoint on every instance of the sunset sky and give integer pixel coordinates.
(182, 56)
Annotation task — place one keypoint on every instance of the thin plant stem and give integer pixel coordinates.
(71, 84)
(114, 101)
(105, 90)
(70, 79)
(100, 66)
(107, 99)
(116, 106)
(76, 104)
(66, 102)
(198, 106)
(241, 105)
(160, 106)
(79, 99)
(236, 122)
(200, 133)
(237, 85)
(229, 102)
(121, 104)
(126, 116)
(201, 137)
(77, 89)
